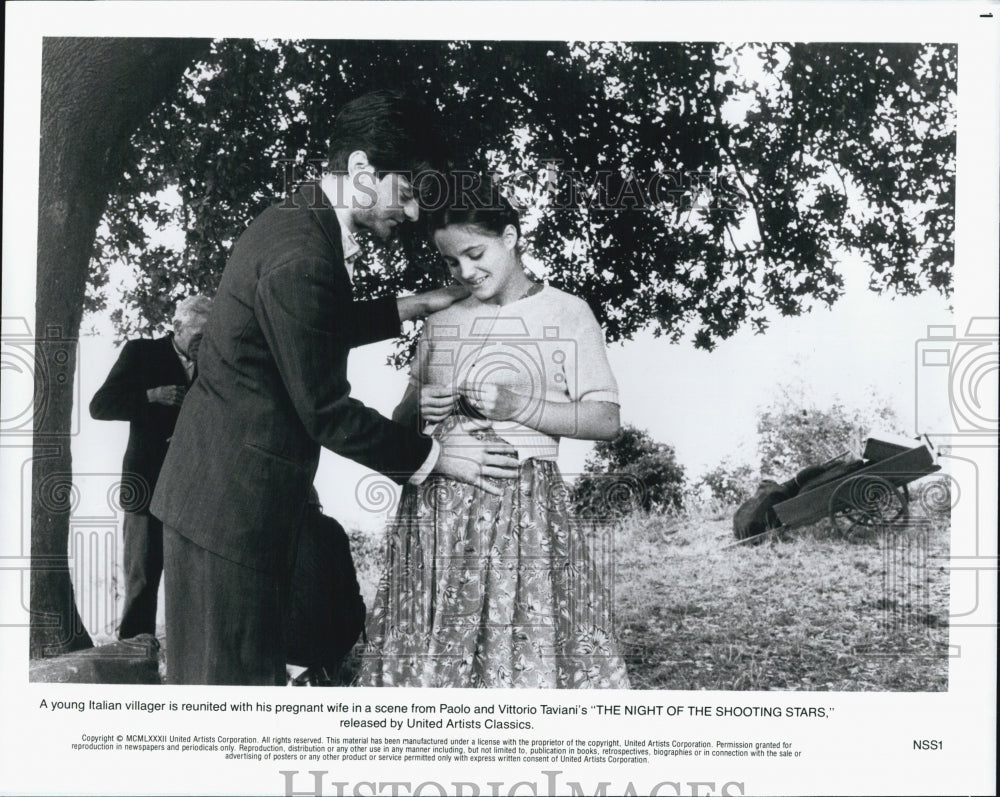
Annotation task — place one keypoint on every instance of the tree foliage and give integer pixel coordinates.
(687, 187)
(629, 473)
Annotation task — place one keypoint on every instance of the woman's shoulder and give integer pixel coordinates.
(454, 313)
(558, 294)
(560, 300)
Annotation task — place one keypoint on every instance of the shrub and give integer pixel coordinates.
(727, 483)
(794, 432)
(629, 473)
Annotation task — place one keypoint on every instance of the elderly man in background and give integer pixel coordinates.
(146, 387)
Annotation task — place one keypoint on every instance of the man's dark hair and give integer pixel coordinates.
(395, 132)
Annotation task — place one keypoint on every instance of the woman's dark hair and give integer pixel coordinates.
(476, 203)
(394, 131)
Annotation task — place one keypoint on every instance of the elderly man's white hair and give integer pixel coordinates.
(192, 306)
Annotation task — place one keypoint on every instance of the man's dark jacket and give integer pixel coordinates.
(142, 365)
(272, 389)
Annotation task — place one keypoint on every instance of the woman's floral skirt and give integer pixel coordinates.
(494, 591)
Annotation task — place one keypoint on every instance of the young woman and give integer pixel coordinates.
(498, 585)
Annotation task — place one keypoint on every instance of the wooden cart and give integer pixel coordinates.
(863, 494)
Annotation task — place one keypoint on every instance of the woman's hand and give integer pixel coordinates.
(436, 402)
(469, 459)
(498, 403)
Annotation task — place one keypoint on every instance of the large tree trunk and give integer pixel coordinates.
(95, 92)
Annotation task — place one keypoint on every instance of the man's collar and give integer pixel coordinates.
(185, 359)
(350, 246)
(348, 242)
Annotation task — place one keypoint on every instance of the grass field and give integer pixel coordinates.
(802, 611)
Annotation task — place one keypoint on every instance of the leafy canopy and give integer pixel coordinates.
(678, 186)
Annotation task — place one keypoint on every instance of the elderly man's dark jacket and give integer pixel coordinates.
(142, 365)
(272, 389)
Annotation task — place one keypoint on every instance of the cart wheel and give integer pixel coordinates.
(862, 504)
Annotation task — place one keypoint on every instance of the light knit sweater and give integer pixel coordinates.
(547, 346)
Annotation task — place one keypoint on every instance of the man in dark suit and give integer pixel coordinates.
(272, 389)
(146, 387)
